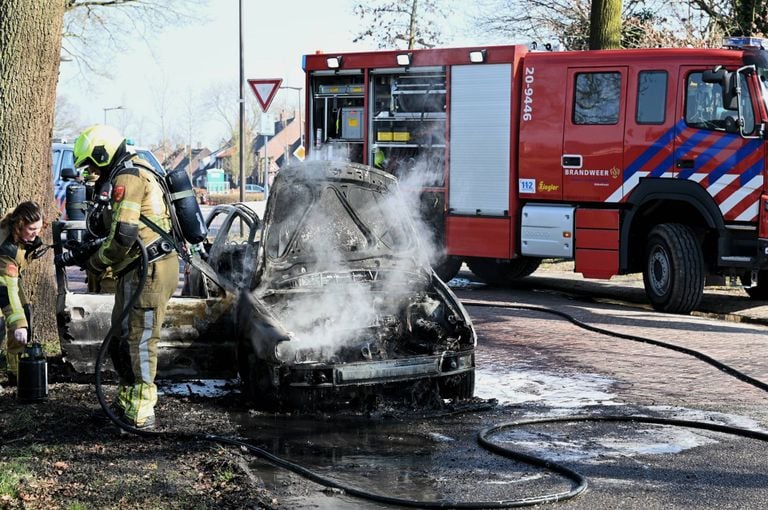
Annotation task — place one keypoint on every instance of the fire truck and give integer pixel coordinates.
(644, 161)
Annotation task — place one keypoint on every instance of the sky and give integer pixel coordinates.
(189, 61)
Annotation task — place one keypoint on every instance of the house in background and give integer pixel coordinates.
(280, 148)
(185, 158)
(211, 171)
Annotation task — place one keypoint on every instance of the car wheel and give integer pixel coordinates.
(674, 268)
(448, 267)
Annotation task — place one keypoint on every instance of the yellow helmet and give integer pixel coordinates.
(98, 145)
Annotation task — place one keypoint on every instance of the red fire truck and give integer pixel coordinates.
(626, 161)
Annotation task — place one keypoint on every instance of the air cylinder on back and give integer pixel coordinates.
(75, 209)
(187, 209)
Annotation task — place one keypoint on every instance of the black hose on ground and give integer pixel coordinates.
(580, 482)
(580, 486)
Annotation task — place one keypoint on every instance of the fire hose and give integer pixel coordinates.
(579, 485)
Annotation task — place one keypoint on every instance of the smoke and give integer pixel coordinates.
(335, 151)
(354, 279)
(426, 210)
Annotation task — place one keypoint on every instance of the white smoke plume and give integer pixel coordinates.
(339, 305)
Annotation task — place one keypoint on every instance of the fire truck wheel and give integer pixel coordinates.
(448, 267)
(759, 291)
(674, 268)
(506, 272)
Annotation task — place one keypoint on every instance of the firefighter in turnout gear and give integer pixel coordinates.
(132, 190)
(19, 238)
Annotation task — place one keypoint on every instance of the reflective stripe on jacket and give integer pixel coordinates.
(12, 296)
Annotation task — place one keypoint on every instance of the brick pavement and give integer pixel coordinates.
(643, 374)
(726, 302)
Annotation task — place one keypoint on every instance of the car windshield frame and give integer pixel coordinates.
(290, 236)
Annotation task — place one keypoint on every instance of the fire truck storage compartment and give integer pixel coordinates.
(336, 117)
(408, 121)
(351, 123)
(547, 231)
(480, 116)
(597, 242)
(478, 236)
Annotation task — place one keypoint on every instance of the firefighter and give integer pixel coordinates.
(379, 159)
(133, 190)
(19, 238)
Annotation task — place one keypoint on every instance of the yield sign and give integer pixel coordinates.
(265, 90)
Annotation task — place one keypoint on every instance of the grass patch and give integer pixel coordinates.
(11, 473)
(225, 476)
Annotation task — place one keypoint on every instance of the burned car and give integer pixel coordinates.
(329, 300)
(342, 304)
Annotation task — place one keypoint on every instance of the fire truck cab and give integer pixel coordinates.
(626, 161)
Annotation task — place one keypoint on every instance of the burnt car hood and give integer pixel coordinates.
(342, 277)
(324, 217)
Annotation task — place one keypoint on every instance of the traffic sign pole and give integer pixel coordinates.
(265, 91)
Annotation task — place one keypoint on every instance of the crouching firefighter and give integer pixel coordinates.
(130, 205)
(19, 243)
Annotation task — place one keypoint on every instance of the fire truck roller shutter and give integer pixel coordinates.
(480, 119)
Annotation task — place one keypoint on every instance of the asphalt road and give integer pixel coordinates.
(533, 365)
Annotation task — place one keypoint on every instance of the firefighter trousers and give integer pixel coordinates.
(134, 348)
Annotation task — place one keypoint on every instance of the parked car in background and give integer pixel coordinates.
(63, 157)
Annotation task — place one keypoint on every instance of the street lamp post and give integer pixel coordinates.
(301, 127)
(110, 108)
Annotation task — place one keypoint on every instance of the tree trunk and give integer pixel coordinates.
(30, 42)
(605, 25)
(412, 25)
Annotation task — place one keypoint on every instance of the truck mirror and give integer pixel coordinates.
(716, 76)
(730, 98)
(68, 174)
(731, 125)
(727, 81)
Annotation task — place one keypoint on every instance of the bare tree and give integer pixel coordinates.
(395, 23)
(66, 123)
(222, 101)
(736, 17)
(30, 42)
(645, 23)
(94, 30)
(161, 98)
(566, 21)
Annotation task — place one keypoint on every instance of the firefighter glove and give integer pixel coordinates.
(20, 335)
(78, 254)
(35, 249)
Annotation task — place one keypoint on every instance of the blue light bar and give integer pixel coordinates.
(745, 42)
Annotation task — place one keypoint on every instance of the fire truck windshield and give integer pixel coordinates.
(712, 102)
